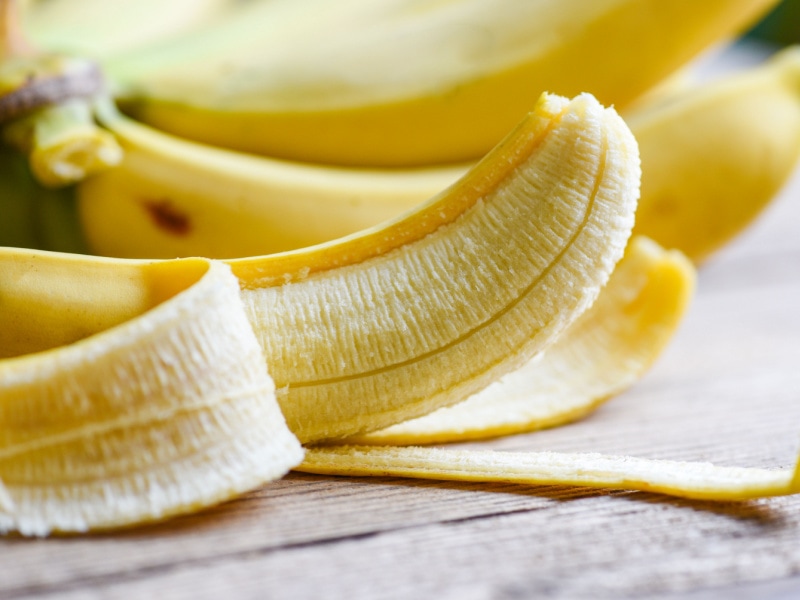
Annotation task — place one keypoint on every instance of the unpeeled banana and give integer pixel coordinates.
(709, 167)
(172, 197)
(714, 156)
(99, 29)
(400, 82)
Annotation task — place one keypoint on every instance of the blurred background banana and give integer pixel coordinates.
(399, 82)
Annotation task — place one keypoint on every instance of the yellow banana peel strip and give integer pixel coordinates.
(161, 414)
(604, 352)
(698, 480)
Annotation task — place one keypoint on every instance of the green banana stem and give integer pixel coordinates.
(63, 143)
(33, 216)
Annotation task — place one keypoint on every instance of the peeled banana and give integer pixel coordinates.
(384, 326)
(130, 393)
(402, 83)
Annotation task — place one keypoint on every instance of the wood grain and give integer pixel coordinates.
(727, 391)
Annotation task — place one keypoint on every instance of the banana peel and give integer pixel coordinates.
(151, 404)
(696, 480)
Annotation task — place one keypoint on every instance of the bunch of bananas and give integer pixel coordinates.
(381, 266)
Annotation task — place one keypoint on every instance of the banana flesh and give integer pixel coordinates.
(395, 331)
(604, 352)
(714, 157)
(159, 405)
(394, 83)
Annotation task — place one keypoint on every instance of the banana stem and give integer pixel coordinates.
(63, 143)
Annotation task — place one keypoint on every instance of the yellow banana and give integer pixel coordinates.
(604, 352)
(708, 167)
(713, 157)
(99, 29)
(148, 400)
(171, 197)
(400, 83)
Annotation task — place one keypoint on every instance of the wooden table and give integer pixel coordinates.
(726, 391)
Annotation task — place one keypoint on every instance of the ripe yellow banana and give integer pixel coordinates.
(604, 352)
(708, 167)
(401, 83)
(100, 29)
(146, 394)
(713, 157)
(171, 197)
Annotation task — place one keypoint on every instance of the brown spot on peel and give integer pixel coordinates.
(167, 217)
